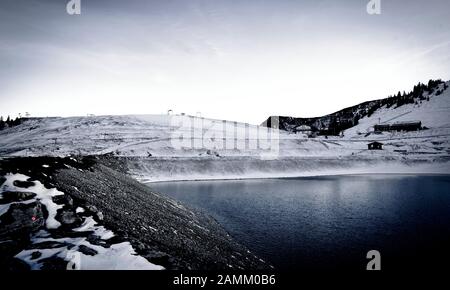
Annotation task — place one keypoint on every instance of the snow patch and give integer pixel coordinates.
(43, 195)
(78, 252)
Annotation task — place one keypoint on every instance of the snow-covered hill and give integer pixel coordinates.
(433, 112)
(191, 142)
(398, 106)
(133, 135)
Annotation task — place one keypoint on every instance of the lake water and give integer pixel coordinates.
(330, 222)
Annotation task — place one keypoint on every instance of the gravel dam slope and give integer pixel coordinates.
(161, 230)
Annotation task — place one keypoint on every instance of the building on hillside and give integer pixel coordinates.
(382, 127)
(303, 129)
(375, 146)
(406, 126)
(399, 126)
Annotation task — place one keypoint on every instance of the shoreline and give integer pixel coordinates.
(149, 171)
(297, 177)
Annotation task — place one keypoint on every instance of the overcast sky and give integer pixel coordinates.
(231, 59)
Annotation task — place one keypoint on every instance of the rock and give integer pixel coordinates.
(48, 245)
(67, 217)
(13, 264)
(59, 199)
(14, 196)
(92, 209)
(54, 263)
(21, 220)
(99, 215)
(63, 199)
(140, 247)
(87, 251)
(157, 257)
(95, 240)
(36, 255)
(23, 184)
(8, 249)
(69, 200)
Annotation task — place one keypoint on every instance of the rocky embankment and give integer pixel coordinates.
(87, 213)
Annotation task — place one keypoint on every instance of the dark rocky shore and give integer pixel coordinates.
(160, 229)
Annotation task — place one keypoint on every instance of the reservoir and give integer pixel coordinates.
(330, 222)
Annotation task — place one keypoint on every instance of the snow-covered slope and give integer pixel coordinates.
(134, 135)
(185, 139)
(433, 113)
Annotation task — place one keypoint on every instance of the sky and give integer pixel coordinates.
(238, 60)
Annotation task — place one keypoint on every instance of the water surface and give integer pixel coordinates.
(330, 222)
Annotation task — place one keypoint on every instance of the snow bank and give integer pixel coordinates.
(120, 256)
(43, 195)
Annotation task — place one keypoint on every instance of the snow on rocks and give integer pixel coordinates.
(78, 243)
(43, 195)
(80, 254)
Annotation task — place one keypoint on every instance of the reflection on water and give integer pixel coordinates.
(329, 221)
